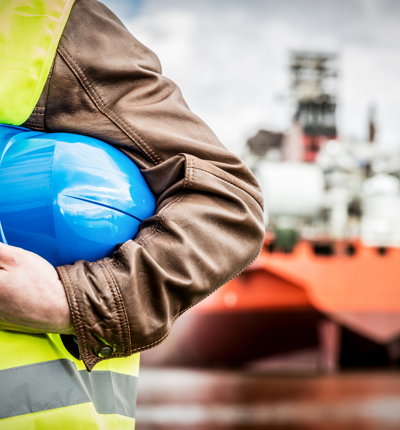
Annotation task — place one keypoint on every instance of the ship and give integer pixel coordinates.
(325, 288)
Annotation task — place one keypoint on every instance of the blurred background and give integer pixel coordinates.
(307, 93)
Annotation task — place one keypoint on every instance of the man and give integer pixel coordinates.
(77, 69)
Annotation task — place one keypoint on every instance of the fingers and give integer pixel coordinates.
(6, 255)
(3, 247)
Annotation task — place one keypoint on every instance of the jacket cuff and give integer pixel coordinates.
(90, 334)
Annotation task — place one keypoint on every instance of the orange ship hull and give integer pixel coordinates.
(278, 303)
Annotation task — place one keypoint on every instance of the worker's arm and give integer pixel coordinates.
(32, 298)
(208, 223)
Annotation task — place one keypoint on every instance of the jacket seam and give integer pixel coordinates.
(172, 323)
(123, 317)
(156, 229)
(189, 161)
(148, 234)
(177, 200)
(34, 126)
(156, 233)
(75, 309)
(182, 195)
(110, 286)
(148, 346)
(50, 77)
(127, 243)
(113, 116)
(230, 183)
(159, 220)
(33, 122)
(192, 171)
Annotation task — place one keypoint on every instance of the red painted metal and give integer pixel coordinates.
(361, 291)
(280, 303)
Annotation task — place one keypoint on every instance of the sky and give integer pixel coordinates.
(231, 57)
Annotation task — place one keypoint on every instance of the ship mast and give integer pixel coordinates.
(313, 84)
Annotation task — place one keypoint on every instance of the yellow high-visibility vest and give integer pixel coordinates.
(42, 387)
(30, 31)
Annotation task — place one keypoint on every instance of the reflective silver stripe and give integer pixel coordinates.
(123, 389)
(56, 384)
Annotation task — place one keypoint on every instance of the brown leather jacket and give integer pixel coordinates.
(208, 223)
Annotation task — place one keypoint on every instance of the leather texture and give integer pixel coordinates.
(208, 223)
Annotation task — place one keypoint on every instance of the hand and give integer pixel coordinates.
(32, 297)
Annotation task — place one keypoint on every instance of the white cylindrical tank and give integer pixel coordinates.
(291, 189)
(380, 224)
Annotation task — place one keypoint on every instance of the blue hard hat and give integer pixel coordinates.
(68, 197)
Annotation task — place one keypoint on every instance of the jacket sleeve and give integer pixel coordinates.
(208, 223)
